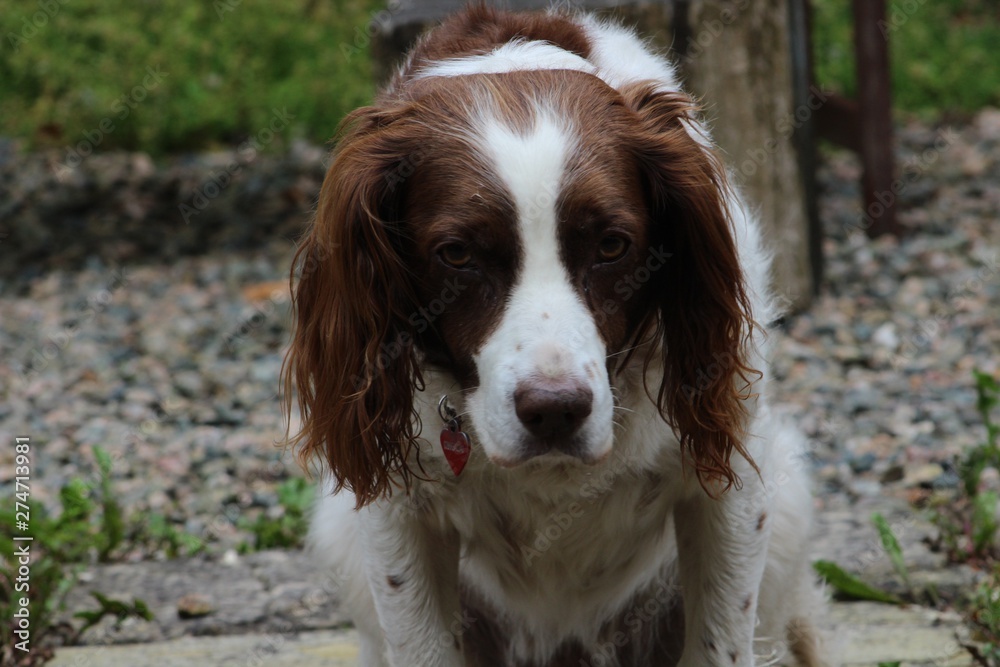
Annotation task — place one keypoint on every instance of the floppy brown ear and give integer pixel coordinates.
(705, 319)
(351, 358)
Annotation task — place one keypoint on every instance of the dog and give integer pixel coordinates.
(530, 356)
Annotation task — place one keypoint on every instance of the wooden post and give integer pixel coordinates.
(875, 107)
(864, 125)
(739, 62)
(805, 135)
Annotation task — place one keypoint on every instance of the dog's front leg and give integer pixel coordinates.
(412, 569)
(722, 549)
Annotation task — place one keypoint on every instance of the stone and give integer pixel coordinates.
(923, 475)
(194, 605)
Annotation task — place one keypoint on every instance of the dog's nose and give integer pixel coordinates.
(552, 409)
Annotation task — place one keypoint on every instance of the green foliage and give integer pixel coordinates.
(849, 586)
(50, 581)
(984, 527)
(295, 496)
(984, 522)
(986, 616)
(968, 525)
(112, 523)
(157, 533)
(943, 52)
(892, 547)
(89, 527)
(988, 453)
(173, 75)
(111, 607)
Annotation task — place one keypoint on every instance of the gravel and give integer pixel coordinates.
(169, 359)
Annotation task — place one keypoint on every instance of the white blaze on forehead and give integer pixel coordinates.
(531, 167)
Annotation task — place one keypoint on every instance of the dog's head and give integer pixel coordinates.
(534, 234)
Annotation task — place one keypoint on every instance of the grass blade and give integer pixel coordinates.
(850, 586)
(892, 547)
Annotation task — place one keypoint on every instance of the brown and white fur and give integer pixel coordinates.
(531, 221)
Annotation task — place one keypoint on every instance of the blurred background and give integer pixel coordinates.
(228, 63)
(158, 161)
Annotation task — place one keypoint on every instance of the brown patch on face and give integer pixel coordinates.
(602, 204)
(746, 604)
(460, 306)
(450, 203)
(761, 521)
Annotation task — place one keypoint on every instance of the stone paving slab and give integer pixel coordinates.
(337, 648)
(266, 592)
(865, 634)
(271, 608)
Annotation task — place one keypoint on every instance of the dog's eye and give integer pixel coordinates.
(611, 248)
(455, 255)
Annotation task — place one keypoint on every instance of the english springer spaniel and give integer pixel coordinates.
(530, 354)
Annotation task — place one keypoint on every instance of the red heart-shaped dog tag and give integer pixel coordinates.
(456, 448)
